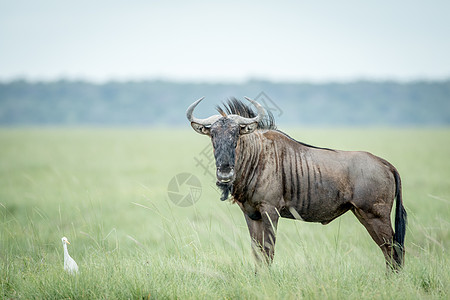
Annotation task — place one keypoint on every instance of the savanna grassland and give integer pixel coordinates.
(107, 191)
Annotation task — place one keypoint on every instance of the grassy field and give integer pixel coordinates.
(107, 191)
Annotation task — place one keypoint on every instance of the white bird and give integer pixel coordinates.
(69, 264)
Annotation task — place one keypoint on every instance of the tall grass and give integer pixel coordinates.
(106, 190)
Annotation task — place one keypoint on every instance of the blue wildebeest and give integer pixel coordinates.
(270, 175)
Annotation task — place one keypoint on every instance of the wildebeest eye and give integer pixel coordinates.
(248, 128)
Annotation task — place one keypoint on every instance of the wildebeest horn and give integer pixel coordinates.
(204, 122)
(246, 121)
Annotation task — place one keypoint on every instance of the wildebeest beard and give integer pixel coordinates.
(226, 188)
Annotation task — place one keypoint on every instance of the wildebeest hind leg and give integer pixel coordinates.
(380, 229)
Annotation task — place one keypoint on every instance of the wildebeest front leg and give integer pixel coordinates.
(263, 235)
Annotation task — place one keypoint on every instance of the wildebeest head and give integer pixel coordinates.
(224, 131)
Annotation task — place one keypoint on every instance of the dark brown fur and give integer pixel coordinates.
(271, 175)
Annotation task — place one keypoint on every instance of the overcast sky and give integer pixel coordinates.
(227, 41)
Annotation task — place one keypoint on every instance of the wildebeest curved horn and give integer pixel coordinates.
(245, 121)
(192, 119)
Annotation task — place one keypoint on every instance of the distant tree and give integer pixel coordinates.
(148, 103)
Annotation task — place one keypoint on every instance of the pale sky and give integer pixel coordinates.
(224, 41)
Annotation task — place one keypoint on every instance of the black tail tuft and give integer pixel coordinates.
(400, 222)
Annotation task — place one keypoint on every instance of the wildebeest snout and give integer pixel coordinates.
(225, 173)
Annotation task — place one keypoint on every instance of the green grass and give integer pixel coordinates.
(106, 190)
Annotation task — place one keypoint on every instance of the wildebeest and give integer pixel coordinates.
(271, 175)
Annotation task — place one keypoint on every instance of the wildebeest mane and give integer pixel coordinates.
(304, 144)
(236, 107)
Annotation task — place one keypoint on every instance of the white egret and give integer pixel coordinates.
(69, 264)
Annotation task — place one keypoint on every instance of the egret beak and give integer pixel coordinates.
(67, 242)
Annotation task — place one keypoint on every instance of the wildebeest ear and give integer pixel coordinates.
(201, 128)
(248, 128)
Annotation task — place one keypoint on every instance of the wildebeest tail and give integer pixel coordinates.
(400, 221)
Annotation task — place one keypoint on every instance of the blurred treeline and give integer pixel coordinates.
(163, 103)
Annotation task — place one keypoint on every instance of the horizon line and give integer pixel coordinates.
(4, 80)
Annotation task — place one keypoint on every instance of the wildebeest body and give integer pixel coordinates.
(320, 184)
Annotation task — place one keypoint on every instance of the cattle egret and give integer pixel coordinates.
(70, 265)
